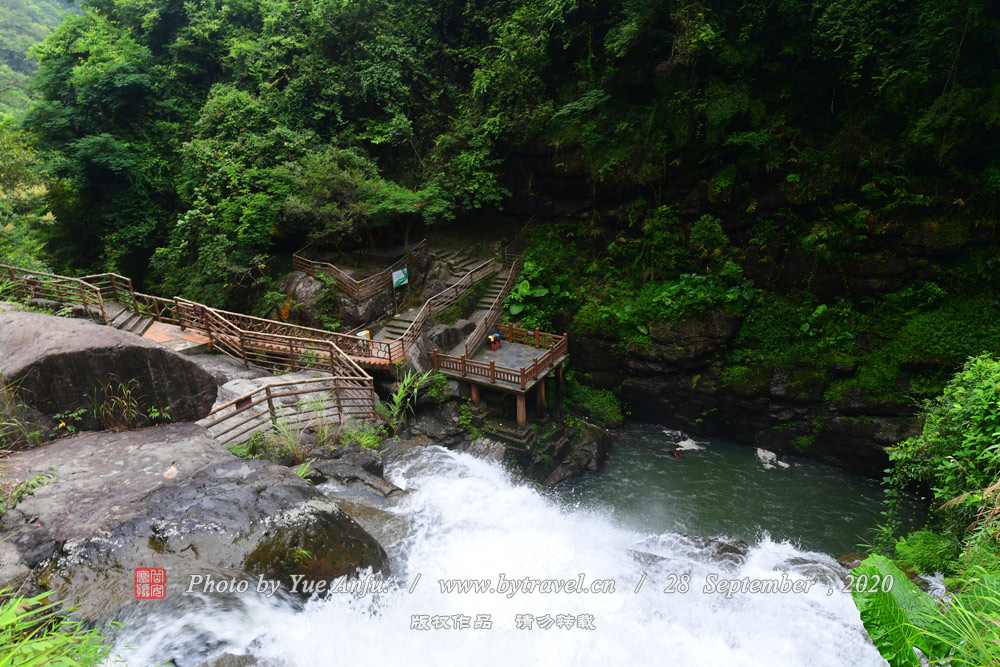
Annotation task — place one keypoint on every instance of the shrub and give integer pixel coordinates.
(926, 552)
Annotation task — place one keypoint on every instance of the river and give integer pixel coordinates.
(655, 597)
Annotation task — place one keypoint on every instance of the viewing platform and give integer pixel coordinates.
(521, 364)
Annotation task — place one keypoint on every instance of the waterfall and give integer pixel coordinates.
(468, 519)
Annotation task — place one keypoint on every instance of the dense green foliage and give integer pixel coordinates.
(23, 23)
(957, 455)
(900, 617)
(34, 631)
(24, 188)
(200, 135)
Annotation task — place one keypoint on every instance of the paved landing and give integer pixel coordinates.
(511, 355)
(171, 336)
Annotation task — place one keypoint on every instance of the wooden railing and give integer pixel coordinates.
(492, 316)
(250, 339)
(27, 285)
(442, 300)
(258, 340)
(554, 346)
(319, 403)
(515, 248)
(360, 290)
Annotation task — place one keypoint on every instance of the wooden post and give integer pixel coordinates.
(463, 365)
(180, 319)
(208, 328)
(493, 371)
(536, 336)
(474, 392)
(435, 358)
(270, 403)
(559, 392)
(534, 367)
(243, 350)
(540, 399)
(340, 408)
(522, 378)
(522, 412)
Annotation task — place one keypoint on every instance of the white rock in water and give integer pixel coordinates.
(765, 456)
(688, 444)
(769, 459)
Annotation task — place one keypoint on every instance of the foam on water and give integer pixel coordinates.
(470, 520)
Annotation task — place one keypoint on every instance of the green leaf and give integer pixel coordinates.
(516, 308)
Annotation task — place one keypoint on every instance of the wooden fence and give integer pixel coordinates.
(319, 403)
(360, 290)
(554, 345)
(36, 285)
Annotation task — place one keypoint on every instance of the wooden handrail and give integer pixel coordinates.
(343, 404)
(61, 289)
(556, 346)
(360, 290)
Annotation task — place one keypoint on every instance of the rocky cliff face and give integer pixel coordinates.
(168, 497)
(677, 381)
(60, 365)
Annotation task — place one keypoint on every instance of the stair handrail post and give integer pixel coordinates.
(180, 318)
(270, 404)
(243, 348)
(435, 358)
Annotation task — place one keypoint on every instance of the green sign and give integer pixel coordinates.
(400, 278)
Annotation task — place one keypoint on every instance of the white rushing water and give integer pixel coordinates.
(469, 520)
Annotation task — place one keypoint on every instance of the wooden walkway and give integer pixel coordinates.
(110, 297)
(521, 364)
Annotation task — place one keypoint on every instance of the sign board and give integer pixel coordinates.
(242, 403)
(400, 278)
(199, 311)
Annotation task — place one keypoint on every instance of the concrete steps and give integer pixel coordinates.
(484, 303)
(458, 264)
(123, 319)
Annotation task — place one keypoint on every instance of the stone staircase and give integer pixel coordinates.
(458, 264)
(124, 319)
(484, 303)
(398, 325)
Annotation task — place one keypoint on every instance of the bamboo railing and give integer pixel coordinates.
(554, 345)
(360, 290)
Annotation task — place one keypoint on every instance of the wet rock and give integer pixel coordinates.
(440, 425)
(485, 448)
(60, 364)
(852, 560)
(446, 337)
(231, 660)
(356, 468)
(726, 551)
(171, 497)
(393, 448)
(823, 572)
(585, 454)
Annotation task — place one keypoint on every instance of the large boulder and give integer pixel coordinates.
(60, 365)
(169, 497)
